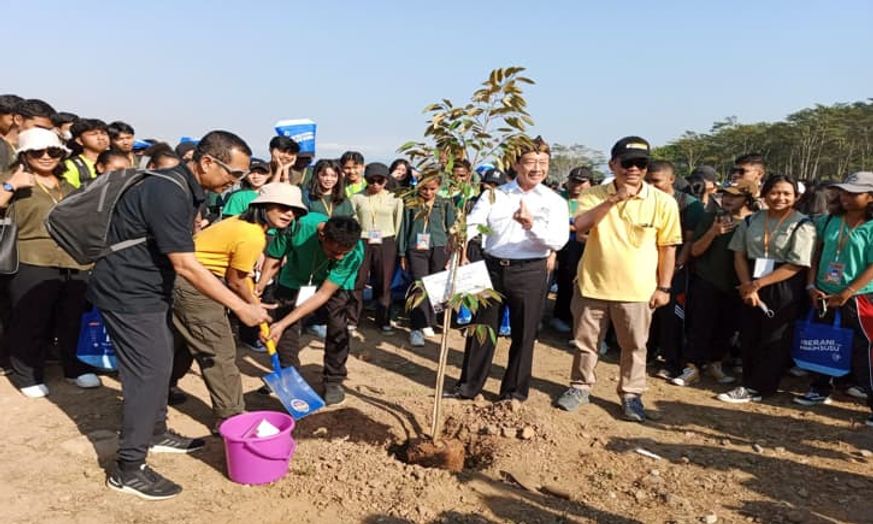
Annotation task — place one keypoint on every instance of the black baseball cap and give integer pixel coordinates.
(580, 174)
(631, 147)
(493, 176)
(375, 170)
(706, 172)
(257, 163)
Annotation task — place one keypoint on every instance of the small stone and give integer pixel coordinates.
(685, 460)
(802, 493)
(320, 432)
(612, 495)
(758, 448)
(526, 433)
(655, 472)
(866, 453)
(796, 517)
(711, 518)
(507, 432)
(779, 449)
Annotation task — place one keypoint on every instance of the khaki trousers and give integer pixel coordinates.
(203, 324)
(591, 318)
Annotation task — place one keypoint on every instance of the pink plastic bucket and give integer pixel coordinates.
(253, 460)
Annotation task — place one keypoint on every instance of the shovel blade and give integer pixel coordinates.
(296, 395)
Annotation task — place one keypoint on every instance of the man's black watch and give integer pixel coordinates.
(664, 289)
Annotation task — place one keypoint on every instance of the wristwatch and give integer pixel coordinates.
(8, 187)
(664, 289)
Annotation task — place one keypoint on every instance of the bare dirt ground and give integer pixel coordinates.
(769, 463)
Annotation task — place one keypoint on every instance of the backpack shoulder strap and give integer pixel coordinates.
(82, 168)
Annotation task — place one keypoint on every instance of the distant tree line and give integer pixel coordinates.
(820, 143)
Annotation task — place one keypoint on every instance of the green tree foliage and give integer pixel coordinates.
(564, 158)
(819, 143)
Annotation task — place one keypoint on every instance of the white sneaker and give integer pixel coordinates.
(856, 392)
(428, 332)
(37, 391)
(416, 338)
(689, 376)
(86, 381)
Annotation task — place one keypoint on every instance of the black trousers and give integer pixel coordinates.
(5, 312)
(379, 261)
(766, 342)
(143, 343)
(336, 342)
(421, 264)
(716, 315)
(667, 333)
(45, 301)
(523, 286)
(857, 315)
(565, 274)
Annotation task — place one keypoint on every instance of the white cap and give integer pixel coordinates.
(37, 138)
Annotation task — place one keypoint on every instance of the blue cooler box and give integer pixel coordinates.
(301, 130)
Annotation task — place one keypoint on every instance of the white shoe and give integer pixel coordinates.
(856, 392)
(416, 338)
(37, 391)
(86, 381)
(428, 332)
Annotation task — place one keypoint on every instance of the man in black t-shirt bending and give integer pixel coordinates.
(132, 289)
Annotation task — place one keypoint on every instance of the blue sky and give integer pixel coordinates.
(364, 70)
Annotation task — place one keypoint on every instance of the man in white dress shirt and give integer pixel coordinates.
(527, 221)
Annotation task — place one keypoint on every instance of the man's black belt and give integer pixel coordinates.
(506, 262)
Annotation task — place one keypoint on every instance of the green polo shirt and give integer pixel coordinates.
(436, 223)
(855, 256)
(238, 201)
(305, 260)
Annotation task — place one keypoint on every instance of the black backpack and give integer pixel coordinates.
(80, 222)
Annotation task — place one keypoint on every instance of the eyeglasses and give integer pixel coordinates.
(237, 174)
(535, 163)
(53, 152)
(639, 163)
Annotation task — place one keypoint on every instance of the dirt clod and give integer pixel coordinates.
(448, 454)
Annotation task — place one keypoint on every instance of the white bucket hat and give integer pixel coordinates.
(282, 194)
(37, 138)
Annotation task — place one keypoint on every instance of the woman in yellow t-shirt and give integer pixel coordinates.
(229, 250)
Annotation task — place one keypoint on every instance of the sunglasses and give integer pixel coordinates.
(639, 163)
(237, 174)
(53, 152)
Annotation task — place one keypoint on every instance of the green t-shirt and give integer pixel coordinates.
(716, 264)
(855, 256)
(238, 201)
(354, 189)
(305, 260)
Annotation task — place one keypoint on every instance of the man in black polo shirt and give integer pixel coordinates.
(132, 289)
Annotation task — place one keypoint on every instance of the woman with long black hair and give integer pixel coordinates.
(48, 291)
(326, 193)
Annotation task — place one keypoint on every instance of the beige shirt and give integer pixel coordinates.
(381, 212)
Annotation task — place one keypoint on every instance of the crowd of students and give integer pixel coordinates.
(686, 276)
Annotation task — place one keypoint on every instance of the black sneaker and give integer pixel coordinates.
(144, 482)
(333, 394)
(632, 408)
(172, 442)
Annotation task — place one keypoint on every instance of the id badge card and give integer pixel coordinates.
(834, 273)
(374, 236)
(763, 267)
(304, 294)
(422, 241)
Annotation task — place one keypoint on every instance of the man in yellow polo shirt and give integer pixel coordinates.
(624, 275)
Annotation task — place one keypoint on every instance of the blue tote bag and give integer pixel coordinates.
(94, 347)
(823, 348)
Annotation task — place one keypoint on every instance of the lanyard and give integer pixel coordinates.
(372, 207)
(767, 238)
(841, 240)
(327, 206)
(47, 192)
(427, 216)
